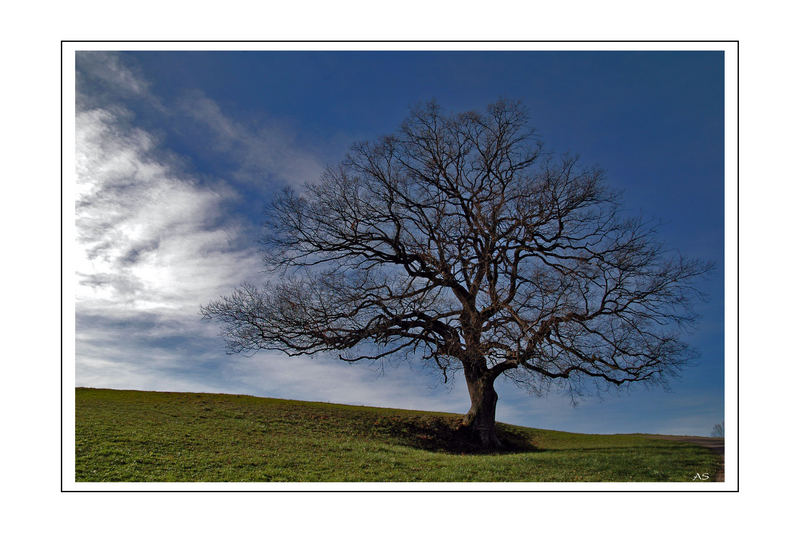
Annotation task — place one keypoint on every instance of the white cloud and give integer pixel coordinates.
(149, 238)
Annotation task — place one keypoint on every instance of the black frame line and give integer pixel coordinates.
(61, 399)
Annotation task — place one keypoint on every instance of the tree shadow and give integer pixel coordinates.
(446, 435)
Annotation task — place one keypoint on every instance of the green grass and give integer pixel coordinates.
(160, 436)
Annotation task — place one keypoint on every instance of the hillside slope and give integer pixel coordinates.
(165, 436)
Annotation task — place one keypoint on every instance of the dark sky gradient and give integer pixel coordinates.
(652, 120)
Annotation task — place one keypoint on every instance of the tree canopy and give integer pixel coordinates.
(460, 239)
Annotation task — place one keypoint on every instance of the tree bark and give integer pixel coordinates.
(480, 419)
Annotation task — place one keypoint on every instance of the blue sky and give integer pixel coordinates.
(177, 153)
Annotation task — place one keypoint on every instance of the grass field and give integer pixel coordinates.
(159, 436)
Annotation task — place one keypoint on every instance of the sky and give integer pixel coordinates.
(177, 153)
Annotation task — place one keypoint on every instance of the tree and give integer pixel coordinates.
(718, 430)
(461, 240)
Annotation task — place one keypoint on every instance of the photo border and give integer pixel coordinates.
(730, 48)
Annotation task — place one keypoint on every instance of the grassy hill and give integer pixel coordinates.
(165, 436)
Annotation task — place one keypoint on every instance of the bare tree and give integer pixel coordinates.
(718, 430)
(459, 239)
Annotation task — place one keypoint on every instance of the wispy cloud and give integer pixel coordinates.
(403, 385)
(106, 78)
(108, 68)
(265, 152)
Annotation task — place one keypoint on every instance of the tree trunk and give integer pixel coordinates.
(480, 420)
